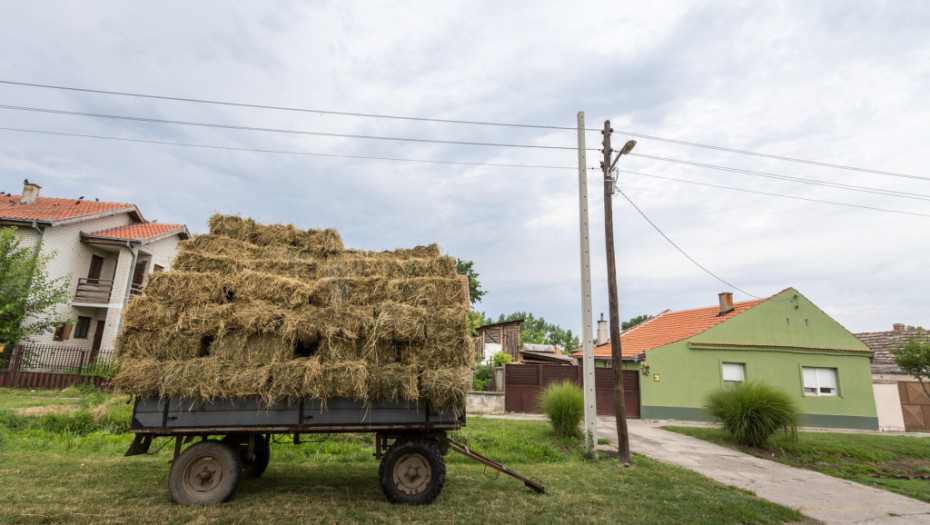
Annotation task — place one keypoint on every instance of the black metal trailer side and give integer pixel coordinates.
(235, 439)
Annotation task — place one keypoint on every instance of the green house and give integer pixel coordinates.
(785, 341)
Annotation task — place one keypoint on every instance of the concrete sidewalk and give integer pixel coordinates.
(825, 498)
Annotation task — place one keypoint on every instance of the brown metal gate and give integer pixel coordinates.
(523, 384)
(915, 405)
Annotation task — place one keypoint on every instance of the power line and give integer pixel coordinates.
(285, 152)
(851, 187)
(288, 131)
(465, 122)
(670, 241)
(777, 194)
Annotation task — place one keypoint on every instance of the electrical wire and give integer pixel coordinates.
(285, 152)
(465, 122)
(777, 194)
(851, 187)
(670, 241)
(288, 131)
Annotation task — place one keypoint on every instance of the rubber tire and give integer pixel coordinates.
(254, 467)
(209, 456)
(418, 453)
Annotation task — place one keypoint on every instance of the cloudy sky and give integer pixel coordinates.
(842, 83)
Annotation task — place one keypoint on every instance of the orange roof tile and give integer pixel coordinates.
(668, 328)
(46, 208)
(143, 231)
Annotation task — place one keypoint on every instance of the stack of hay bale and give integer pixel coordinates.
(282, 313)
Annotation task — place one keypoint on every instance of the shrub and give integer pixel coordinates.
(563, 403)
(482, 378)
(752, 412)
(501, 359)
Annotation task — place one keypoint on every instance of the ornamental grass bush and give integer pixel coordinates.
(563, 404)
(751, 412)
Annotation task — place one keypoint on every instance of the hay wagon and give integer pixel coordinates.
(227, 440)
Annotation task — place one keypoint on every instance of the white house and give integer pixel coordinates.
(106, 248)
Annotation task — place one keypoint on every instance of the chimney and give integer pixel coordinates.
(726, 302)
(898, 328)
(601, 330)
(30, 192)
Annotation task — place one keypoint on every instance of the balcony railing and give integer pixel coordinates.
(93, 290)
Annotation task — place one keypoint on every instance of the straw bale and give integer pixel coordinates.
(428, 292)
(221, 246)
(178, 288)
(431, 250)
(158, 344)
(320, 242)
(283, 291)
(386, 265)
(141, 377)
(194, 260)
(399, 322)
(345, 379)
(445, 388)
(254, 350)
(350, 290)
(147, 313)
(393, 382)
(297, 378)
(374, 352)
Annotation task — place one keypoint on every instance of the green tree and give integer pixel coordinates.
(914, 358)
(466, 268)
(27, 294)
(476, 320)
(634, 321)
(537, 331)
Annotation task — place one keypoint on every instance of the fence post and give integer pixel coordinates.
(81, 362)
(15, 363)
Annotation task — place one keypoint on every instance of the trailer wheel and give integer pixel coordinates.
(412, 471)
(255, 466)
(204, 474)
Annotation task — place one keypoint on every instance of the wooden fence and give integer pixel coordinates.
(53, 367)
(523, 383)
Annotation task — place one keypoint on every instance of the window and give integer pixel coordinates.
(82, 327)
(819, 381)
(733, 374)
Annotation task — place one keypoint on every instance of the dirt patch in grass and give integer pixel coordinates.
(62, 410)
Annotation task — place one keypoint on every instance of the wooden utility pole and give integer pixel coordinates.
(623, 436)
(590, 399)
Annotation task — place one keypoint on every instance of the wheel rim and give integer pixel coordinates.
(412, 474)
(203, 476)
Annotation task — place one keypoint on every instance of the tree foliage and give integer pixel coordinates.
(466, 268)
(634, 321)
(536, 330)
(914, 358)
(27, 294)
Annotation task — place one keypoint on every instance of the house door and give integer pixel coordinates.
(138, 276)
(98, 340)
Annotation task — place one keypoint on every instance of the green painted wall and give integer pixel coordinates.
(793, 333)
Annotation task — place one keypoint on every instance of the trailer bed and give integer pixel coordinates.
(165, 417)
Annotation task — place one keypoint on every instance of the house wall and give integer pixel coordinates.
(72, 258)
(788, 333)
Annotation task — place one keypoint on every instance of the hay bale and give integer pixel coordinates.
(141, 377)
(428, 292)
(344, 379)
(341, 291)
(319, 242)
(445, 388)
(386, 265)
(252, 350)
(394, 382)
(183, 288)
(159, 344)
(296, 379)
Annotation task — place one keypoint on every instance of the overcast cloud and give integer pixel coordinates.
(837, 82)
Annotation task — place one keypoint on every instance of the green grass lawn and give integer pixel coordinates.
(896, 463)
(70, 469)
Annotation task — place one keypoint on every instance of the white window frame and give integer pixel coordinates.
(733, 373)
(819, 381)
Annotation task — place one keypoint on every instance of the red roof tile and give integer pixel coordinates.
(46, 208)
(668, 328)
(143, 231)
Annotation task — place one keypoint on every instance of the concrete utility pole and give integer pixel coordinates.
(623, 436)
(587, 361)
